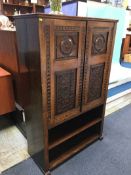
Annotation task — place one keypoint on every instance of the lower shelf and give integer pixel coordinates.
(73, 127)
(73, 151)
(66, 136)
(62, 152)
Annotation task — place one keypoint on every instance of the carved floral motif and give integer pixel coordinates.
(96, 81)
(99, 43)
(65, 85)
(67, 45)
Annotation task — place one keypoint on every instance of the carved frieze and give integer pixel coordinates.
(47, 35)
(65, 28)
(107, 71)
(81, 66)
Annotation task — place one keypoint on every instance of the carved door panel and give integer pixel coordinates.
(97, 63)
(65, 43)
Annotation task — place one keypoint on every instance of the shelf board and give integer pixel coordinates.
(38, 5)
(74, 133)
(18, 5)
(73, 150)
(10, 16)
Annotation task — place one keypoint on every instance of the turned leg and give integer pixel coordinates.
(48, 173)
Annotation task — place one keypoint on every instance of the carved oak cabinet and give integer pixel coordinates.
(67, 61)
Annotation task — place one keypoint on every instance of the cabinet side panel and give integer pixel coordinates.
(28, 47)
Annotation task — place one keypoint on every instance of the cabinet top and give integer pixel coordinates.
(65, 17)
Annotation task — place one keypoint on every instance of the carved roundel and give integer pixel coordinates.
(99, 43)
(66, 46)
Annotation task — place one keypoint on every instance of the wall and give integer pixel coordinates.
(101, 10)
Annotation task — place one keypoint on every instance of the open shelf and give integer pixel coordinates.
(73, 127)
(67, 135)
(62, 152)
(38, 5)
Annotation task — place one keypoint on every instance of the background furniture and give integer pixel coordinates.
(7, 103)
(10, 7)
(68, 63)
(9, 60)
(126, 49)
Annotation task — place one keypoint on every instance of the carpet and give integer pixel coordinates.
(111, 156)
(13, 145)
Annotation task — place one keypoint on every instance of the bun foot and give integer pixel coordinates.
(48, 173)
(101, 138)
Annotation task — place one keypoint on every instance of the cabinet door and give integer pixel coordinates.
(99, 43)
(64, 56)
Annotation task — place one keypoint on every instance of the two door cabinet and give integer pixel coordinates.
(67, 61)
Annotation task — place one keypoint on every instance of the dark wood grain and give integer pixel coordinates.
(60, 60)
(98, 49)
(68, 63)
(29, 58)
